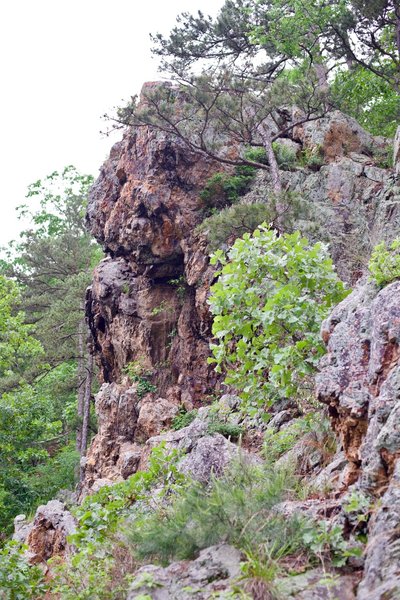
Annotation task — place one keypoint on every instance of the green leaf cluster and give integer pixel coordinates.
(235, 509)
(268, 304)
(384, 264)
(18, 579)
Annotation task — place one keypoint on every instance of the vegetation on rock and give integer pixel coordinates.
(271, 297)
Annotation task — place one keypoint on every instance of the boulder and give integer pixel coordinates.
(47, 537)
(212, 572)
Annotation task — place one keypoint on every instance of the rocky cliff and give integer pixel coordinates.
(147, 306)
(148, 315)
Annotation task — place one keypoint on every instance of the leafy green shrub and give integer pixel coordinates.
(276, 443)
(268, 304)
(60, 472)
(223, 189)
(255, 154)
(369, 99)
(384, 264)
(285, 156)
(235, 220)
(101, 566)
(138, 374)
(313, 158)
(383, 157)
(228, 430)
(18, 579)
(235, 509)
(232, 222)
(327, 542)
(183, 419)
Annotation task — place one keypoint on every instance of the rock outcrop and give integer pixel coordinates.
(210, 574)
(147, 306)
(47, 535)
(360, 383)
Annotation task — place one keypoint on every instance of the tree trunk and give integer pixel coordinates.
(81, 382)
(273, 164)
(86, 406)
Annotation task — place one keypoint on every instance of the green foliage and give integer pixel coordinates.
(384, 264)
(327, 542)
(18, 579)
(369, 99)
(229, 430)
(383, 157)
(285, 156)
(235, 509)
(102, 565)
(140, 375)
(313, 158)
(41, 308)
(277, 443)
(27, 422)
(268, 304)
(56, 473)
(183, 419)
(232, 222)
(180, 285)
(18, 347)
(359, 506)
(144, 386)
(223, 190)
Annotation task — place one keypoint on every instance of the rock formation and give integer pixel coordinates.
(147, 305)
(148, 315)
(360, 382)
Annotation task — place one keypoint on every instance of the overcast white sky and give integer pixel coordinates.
(64, 63)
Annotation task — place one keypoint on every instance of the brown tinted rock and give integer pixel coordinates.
(154, 417)
(360, 382)
(48, 535)
(117, 409)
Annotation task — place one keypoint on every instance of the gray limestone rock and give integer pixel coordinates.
(213, 571)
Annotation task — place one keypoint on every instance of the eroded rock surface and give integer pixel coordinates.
(212, 572)
(147, 305)
(48, 533)
(360, 383)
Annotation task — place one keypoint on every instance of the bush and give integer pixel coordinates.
(286, 157)
(233, 222)
(183, 419)
(313, 158)
(235, 509)
(223, 189)
(369, 99)
(102, 563)
(268, 305)
(19, 579)
(60, 472)
(384, 265)
(228, 430)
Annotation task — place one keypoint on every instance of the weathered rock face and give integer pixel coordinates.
(349, 200)
(360, 382)
(47, 535)
(148, 301)
(211, 573)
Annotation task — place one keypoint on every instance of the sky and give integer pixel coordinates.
(64, 63)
